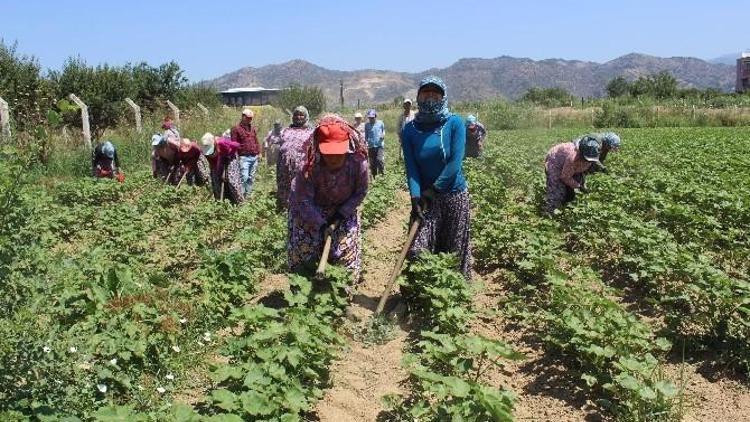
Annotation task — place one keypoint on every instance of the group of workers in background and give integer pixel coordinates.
(323, 172)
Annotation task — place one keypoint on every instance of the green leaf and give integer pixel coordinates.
(224, 399)
(256, 404)
(590, 380)
(457, 387)
(666, 388)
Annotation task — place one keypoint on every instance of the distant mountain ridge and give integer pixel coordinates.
(471, 79)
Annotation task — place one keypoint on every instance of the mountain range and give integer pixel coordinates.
(471, 79)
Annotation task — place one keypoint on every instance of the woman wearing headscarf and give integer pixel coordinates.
(104, 161)
(191, 163)
(294, 141)
(170, 130)
(608, 141)
(224, 164)
(433, 146)
(163, 154)
(564, 166)
(326, 192)
(272, 143)
(475, 134)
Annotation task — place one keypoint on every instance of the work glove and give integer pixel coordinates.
(335, 220)
(417, 212)
(428, 196)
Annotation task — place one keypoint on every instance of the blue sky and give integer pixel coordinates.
(210, 38)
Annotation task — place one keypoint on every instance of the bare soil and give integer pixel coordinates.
(364, 372)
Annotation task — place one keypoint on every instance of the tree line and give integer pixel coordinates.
(33, 94)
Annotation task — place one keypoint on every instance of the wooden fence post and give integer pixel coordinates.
(175, 112)
(549, 122)
(85, 127)
(136, 113)
(4, 120)
(203, 109)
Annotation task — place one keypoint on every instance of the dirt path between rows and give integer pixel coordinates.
(365, 373)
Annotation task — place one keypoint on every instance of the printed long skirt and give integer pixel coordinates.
(233, 183)
(161, 168)
(558, 193)
(285, 170)
(305, 245)
(199, 174)
(445, 229)
(272, 154)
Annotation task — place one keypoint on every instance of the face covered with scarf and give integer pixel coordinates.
(300, 116)
(432, 101)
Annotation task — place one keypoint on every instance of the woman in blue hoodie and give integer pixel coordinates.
(433, 146)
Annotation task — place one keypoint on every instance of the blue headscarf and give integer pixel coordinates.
(431, 111)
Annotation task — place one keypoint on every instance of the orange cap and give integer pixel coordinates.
(333, 139)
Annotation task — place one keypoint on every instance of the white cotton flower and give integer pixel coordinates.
(176, 348)
(101, 387)
(183, 320)
(46, 349)
(113, 361)
(200, 343)
(161, 390)
(169, 377)
(72, 349)
(206, 336)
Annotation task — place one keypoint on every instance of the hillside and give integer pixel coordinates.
(477, 79)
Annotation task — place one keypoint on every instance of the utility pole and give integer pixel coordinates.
(341, 92)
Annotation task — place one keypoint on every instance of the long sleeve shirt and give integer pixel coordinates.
(246, 136)
(563, 162)
(315, 198)
(475, 140)
(102, 162)
(189, 158)
(402, 121)
(272, 138)
(172, 135)
(434, 158)
(375, 134)
(225, 151)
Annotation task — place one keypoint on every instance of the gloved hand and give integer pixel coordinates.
(335, 220)
(428, 195)
(417, 213)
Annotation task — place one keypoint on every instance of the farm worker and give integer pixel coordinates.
(272, 143)
(359, 124)
(326, 192)
(433, 146)
(291, 153)
(250, 151)
(375, 137)
(564, 164)
(170, 130)
(224, 164)
(475, 134)
(191, 162)
(163, 156)
(104, 161)
(404, 118)
(609, 141)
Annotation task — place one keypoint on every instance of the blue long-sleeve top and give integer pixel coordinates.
(434, 158)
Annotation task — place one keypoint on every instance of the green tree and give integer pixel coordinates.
(548, 97)
(103, 89)
(664, 85)
(618, 87)
(28, 94)
(311, 97)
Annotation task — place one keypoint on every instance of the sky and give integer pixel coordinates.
(211, 38)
